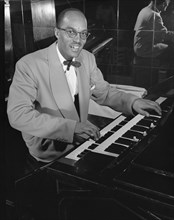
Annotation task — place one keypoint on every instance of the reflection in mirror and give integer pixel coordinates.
(153, 44)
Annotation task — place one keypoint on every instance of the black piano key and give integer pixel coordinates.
(103, 138)
(92, 146)
(108, 134)
(83, 153)
(133, 135)
(153, 118)
(116, 128)
(139, 128)
(152, 112)
(123, 122)
(146, 123)
(116, 148)
(124, 141)
(100, 140)
(129, 118)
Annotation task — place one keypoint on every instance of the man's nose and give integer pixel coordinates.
(77, 37)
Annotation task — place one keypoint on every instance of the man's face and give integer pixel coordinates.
(71, 47)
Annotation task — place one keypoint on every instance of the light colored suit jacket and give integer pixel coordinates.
(40, 104)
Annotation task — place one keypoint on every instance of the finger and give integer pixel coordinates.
(95, 130)
(144, 112)
(94, 133)
(89, 132)
(155, 107)
(98, 133)
(158, 109)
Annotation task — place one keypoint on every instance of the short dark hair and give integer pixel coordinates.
(63, 13)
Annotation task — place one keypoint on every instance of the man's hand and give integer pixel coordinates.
(142, 106)
(84, 131)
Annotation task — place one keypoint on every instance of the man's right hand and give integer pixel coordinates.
(84, 131)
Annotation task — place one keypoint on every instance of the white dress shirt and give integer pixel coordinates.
(70, 75)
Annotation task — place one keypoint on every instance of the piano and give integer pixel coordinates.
(133, 161)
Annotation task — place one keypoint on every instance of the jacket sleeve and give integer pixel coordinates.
(161, 32)
(23, 114)
(105, 94)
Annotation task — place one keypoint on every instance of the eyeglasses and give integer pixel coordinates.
(73, 33)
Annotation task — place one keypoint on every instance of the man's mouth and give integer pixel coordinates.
(75, 48)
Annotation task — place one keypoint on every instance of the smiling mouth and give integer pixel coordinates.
(75, 48)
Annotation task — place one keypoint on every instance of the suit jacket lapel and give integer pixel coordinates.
(60, 86)
(83, 87)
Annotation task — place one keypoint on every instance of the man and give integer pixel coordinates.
(151, 37)
(44, 91)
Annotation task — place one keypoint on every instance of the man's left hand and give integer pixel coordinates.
(142, 106)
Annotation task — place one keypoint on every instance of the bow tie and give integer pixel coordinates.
(73, 63)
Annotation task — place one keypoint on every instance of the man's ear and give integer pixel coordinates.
(56, 32)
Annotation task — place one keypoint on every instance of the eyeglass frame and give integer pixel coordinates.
(76, 32)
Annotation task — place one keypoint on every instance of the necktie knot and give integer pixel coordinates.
(73, 63)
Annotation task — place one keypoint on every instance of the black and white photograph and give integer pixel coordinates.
(88, 120)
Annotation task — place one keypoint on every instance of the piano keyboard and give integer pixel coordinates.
(121, 134)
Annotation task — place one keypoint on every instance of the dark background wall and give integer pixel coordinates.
(29, 26)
